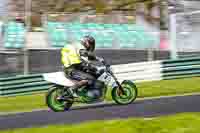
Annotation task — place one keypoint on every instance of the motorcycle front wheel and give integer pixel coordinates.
(130, 93)
(54, 101)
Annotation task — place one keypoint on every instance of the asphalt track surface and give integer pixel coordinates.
(142, 108)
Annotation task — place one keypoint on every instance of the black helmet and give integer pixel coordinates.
(89, 43)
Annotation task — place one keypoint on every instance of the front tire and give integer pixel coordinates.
(52, 100)
(130, 93)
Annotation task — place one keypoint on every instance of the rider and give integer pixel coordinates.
(76, 60)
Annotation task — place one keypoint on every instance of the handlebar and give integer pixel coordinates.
(102, 60)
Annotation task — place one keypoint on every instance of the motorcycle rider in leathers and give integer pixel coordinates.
(76, 60)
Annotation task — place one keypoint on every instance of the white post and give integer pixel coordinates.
(150, 54)
(28, 14)
(28, 28)
(26, 62)
(173, 32)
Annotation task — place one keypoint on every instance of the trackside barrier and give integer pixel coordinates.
(182, 68)
(35, 83)
(22, 85)
(138, 72)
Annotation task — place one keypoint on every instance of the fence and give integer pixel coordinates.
(185, 32)
(181, 68)
(138, 72)
(22, 85)
(34, 61)
(11, 63)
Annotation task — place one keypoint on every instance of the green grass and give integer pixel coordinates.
(169, 87)
(22, 103)
(147, 89)
(181, 123)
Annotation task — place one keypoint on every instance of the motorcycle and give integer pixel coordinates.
(60, 98)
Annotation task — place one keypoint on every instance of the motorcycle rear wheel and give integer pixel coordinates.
(56, 104)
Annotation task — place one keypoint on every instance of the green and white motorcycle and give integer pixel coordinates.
(60, 98)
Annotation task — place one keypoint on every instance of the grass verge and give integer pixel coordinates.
(22, 103)
(146, 89)
(181, 123)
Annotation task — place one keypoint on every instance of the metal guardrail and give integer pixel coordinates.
(139, 72)
(22, 85)
(181, 68)
(35, 83)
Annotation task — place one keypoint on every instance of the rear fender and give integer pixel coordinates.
(58, 78)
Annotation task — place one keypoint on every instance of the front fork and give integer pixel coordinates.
(121, 90)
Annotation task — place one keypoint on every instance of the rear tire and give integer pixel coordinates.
(52, 100)
(130, 93)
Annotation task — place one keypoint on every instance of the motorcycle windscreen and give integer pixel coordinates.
(58, 78)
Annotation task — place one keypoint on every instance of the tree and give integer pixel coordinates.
(100, 6)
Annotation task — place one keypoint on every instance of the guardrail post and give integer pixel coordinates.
(150, 54)
(26, 62)
(173, 49)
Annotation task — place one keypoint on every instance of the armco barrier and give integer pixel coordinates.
(138, 72)
(34, 83)
(22, 85)
(181, 68)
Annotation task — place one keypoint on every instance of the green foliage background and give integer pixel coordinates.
(39, 7)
